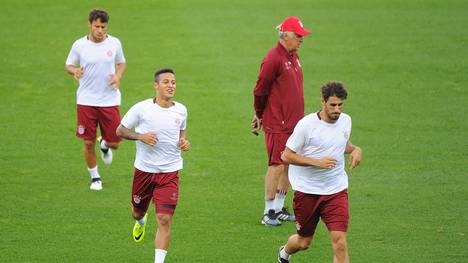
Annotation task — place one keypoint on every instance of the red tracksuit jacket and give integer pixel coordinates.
(279, 93)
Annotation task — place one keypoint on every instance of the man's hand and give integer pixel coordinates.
(326, 162)
(184, 144)
(115, 81)
(149, 138)
(78, 73)
(256, 124)
(355, 158)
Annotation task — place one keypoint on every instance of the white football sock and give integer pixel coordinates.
(93, 172)
(142, 221)
(279, 201)
(159, 255)
(103, 144)
(269, 204)
(284, 255)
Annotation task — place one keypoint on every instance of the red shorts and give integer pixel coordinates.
(89, 117)
(332, 209)
(162, 187)
(275, 144)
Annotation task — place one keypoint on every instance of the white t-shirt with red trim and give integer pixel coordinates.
(147, 116)
(98, 61)
(315, 138)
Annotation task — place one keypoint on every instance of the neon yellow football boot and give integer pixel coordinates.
(139, 231)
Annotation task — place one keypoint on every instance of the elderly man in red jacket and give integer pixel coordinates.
(279, 105)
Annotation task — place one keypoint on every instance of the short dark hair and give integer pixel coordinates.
(100, 14)
(333, 88)
(162, 71)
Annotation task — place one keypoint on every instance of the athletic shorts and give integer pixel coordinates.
(275, 145)
(89, 117)
(163, 188)
(332, 209)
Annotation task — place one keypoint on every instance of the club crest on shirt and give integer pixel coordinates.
(109, 53)
(287, 65)
(136, 199)
(346, 135)
(81, 129)
(178, 121)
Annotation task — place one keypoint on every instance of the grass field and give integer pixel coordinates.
(405, 65)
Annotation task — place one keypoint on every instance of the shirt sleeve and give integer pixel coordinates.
(266, 77)
(349, 127)
(297, 139)
(183, 125)
(132, 117)
(74, 56)
(119, 56)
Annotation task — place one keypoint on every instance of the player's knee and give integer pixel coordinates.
(89, 145)
(164, 219)
(340, 244)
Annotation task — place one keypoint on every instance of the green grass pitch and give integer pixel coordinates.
(405, 65)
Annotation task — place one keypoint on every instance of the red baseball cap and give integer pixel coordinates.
(293, 24)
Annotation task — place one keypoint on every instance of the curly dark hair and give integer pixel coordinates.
(333, 88)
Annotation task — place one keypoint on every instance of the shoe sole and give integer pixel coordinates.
(104, 159)
(265, 224)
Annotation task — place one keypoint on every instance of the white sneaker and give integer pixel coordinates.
(270, 219)
(96, 184)
(106, 154)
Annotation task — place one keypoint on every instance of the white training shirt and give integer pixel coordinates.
(315, 138)
(147, 116)
(98, 61)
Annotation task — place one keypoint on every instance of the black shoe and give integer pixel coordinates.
(270, 219)
(284, 215)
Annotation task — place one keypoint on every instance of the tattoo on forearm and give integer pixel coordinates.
(128, 134)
